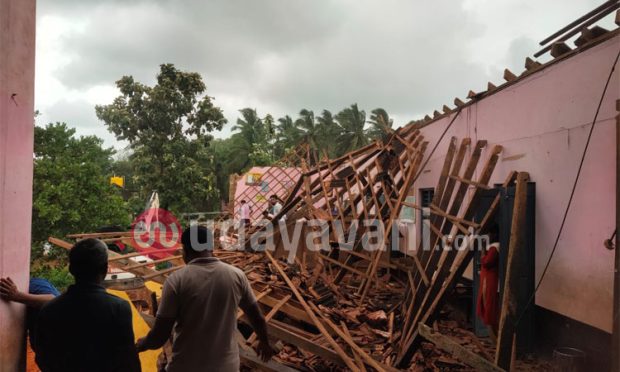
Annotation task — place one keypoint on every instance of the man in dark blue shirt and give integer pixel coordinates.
(86, 329)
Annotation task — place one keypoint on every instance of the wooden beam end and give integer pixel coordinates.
(509, 76)
(531, 64)
(559, 48)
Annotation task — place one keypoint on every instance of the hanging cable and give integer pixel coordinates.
(572, 194)
(436, 145)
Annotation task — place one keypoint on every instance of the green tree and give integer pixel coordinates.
(310, 130)
(381, 124)
(167, 127)
(287, 136)
(330, 131)
(249, 143)
(352, 120)
(71, 189)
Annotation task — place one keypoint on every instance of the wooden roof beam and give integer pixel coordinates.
(509, 76)
(458, 102)
(446, 109)
(588, 34)
(530, 64)
(559, 48)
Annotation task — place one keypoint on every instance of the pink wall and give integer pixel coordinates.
(17, 46)
(275, 177)
(542, 121)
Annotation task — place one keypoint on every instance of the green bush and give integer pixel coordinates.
(59, 276)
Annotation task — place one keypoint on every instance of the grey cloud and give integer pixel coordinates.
(520, 48)
(283, 55)
(222, 38)
(75, 113)
(78, 114)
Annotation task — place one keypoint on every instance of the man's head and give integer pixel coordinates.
(88, 261)
(197, 242)
(243, 202)
(273, 199)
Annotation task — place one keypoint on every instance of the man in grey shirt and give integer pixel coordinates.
(200, 301)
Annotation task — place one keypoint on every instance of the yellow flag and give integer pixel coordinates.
(118, 181)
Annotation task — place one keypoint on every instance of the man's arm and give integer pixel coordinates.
(257, 321)
(166, 317)
(158, 335)
(9, 292)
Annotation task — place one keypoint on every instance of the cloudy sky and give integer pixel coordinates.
(279, 56)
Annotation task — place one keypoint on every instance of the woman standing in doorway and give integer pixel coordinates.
(487, 304)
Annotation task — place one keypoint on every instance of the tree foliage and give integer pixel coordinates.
(167, 126)
(72, 191)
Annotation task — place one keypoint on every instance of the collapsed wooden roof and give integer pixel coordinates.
(347, 306)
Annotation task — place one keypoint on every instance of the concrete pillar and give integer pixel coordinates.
(17, 46)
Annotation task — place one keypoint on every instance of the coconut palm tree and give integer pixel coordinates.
(381, 124)
(250, 131)
(287, 136)
(309, 128)
(329, 133)
(352, 122)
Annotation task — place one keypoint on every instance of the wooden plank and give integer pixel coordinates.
(454, 210)
(456, 350)
(274, 310)
(344, 266)
(101, 235)
(455, 220)
(367, 358)
(142, 253)
(290, 310)
(428, 258)
(347, 360)
(611, 6)
(279, 331)
(471, 183)
(259, 296)
(249, 358)
(516, 249)
(461, 262)
(358, 358)
(412, 174)
(115, 260)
